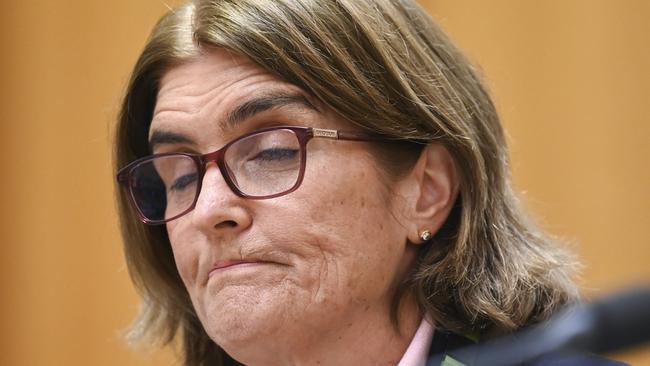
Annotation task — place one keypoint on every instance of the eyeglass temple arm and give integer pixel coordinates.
(343, 135)
(122, 177)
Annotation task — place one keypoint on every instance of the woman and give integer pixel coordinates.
(321, 182)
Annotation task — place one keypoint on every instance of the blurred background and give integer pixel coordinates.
(570, 79)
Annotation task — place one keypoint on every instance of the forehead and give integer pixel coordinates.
(207, 75)
(202, 92)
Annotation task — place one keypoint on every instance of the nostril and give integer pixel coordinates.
(225, 224)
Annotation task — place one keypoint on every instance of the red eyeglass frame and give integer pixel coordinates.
(304, 135)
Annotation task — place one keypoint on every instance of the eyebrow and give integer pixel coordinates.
(241, 113)
(167, 137)
(264, 103)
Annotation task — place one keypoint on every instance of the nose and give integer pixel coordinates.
(218, 208)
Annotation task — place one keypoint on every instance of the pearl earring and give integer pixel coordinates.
(425, 235)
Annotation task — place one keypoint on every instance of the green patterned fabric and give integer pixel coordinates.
(449, 361)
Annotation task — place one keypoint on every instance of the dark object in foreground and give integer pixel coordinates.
(615, 323)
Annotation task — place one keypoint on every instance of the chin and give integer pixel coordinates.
(244, 316)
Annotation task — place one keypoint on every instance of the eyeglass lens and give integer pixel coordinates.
(263, 164)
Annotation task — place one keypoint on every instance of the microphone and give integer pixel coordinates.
(613, 323)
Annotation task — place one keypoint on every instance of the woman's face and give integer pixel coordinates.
(278, 272)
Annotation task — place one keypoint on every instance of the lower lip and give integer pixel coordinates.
(234, 266)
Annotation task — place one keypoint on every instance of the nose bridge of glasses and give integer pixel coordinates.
(218, 158)
(214, 157)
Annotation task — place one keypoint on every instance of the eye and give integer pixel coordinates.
(183, 182)
(276, 154)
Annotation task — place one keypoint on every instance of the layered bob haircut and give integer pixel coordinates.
(386, 67)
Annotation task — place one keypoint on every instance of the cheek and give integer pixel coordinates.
(353, 240)
(185, 255)
(352, 201)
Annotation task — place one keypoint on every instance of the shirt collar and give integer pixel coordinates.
(418, 350)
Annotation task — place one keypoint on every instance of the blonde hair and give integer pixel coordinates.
(385, 66)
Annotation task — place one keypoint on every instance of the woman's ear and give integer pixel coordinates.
(436, 187)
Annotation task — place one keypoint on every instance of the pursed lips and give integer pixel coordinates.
(232, 263)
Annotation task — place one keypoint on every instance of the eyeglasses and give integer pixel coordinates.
(263, 164)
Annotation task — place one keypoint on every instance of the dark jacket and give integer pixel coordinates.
(445, 344)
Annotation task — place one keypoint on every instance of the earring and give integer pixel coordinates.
(425, 235)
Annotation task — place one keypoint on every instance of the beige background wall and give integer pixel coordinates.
(570, 79)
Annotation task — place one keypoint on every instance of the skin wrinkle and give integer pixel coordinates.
(323, 273)
(211, 95)
(194, 96)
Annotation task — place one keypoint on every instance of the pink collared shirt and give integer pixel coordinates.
(417, 352)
